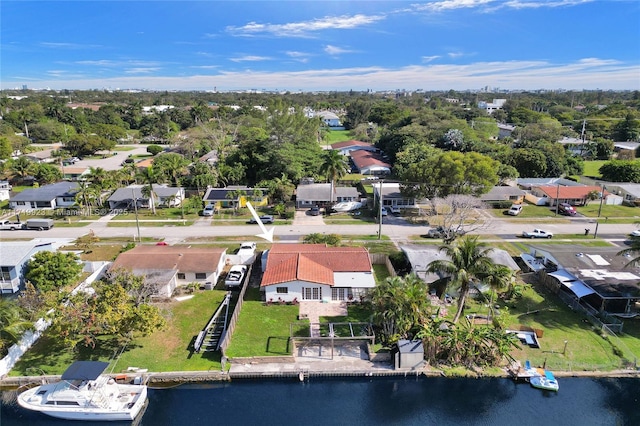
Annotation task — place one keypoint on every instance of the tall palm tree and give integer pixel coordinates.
(334, 166)
(149, 177)
(468, 262)
(21, 167)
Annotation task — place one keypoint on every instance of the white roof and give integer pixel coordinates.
(578, 288)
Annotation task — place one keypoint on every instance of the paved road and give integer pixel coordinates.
(396, 229)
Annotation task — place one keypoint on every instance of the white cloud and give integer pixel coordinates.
(305, 28)
(141, 70)
(426, 59)
(250, 58)
(69, 46)
(335, 50)
(587, 73)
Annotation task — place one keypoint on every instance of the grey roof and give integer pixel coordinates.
(626, 145)
(389, 189)
(322, 192)
(47, 192)
(629, 188)
(220, 194)
(410, 346)
(420, 257)
(135, 191)
(502, 192)
(13, 253)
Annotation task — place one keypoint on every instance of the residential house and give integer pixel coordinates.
(392, 196)
(14, 257)
(345, 147)
(369, 163)
(489, 107)
(504, 193)
(235, 196)
(163, 195)
(329, 118)
(5, 190)
(315, 272)
(210, 157)
(574, 195)
(169, 267)
(576, 146)
(319, 194)
(45, 156)
(421, 256)
(626, 146)
(61, 194)
(74, 173)
(505, 130)
(630, 192)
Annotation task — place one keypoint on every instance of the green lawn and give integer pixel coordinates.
(592, 209)
(592, 168)
(167, 350)
(126, 224)
(262, 330)
(338, 136)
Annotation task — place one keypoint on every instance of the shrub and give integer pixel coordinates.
(154, 149)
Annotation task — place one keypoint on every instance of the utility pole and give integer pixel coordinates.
(583, 136)
(595, 234)
(380, 198)
(135, 208)
(557, 198)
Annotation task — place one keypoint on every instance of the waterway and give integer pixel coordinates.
(379, 401)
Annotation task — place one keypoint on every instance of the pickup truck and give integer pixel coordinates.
(7, 225)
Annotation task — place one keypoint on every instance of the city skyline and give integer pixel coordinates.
(321, 46)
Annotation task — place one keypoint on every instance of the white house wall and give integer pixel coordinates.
(346, 291)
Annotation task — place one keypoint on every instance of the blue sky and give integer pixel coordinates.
(321, 45)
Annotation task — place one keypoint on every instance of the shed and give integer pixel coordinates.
(408, 354)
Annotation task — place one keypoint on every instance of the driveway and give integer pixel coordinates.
(113, 161)
(303, 218)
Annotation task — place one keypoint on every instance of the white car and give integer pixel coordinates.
(383, 211)
(635, 233)
(395, 210)
(208, 211)
(248, 248)
(537, 233)
(235, 276)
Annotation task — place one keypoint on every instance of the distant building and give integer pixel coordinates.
(490, 107)
(5, 190)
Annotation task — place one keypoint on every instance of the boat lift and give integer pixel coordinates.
(213, 333)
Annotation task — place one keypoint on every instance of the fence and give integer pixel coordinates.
(30, 337)
(226, 339)
(383, 259)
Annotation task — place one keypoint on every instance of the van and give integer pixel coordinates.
(39, 224)
(515, 210)
(566, 209)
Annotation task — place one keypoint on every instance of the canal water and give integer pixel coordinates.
(379, 401)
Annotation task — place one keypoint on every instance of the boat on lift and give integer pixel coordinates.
(84, 393)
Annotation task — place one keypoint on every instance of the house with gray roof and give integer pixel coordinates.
(504, 193)
(630, 192)
(123, 198)
(61, 194)
(392, 195)
(14, 256)
(319, 194)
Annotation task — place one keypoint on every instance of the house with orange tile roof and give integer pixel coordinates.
(345, 147)
(574, 195)
(168, 267)
(369, 163)
(315, 272)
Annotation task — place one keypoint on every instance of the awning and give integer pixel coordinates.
(577, 287)
(84, 370)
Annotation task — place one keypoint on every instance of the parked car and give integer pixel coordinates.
(208, 210)
(395, 210)
(314, 211)
(265, 218)
(248, 248)
(635, 233)
(434, 233)
(537, 233)
(7, 225)
(566, 209)
(383, 211)
(235, 276)
(515, 210)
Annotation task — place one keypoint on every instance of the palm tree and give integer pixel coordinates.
(468, 262)
(149, 177)
(21, 167)
(334, 166)
(12, 324)
(98, 177)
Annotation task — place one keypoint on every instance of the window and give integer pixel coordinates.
(282, 290)
(201, 276)
(181, 275)
(5, 274)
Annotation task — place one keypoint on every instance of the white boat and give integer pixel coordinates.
(85, 394)
(347, 206)
(545, 382)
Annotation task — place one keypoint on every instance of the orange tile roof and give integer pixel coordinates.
(147, 162)
(180, 258)
(312, 262)
(344, 144)
(363, 158)
(568, 192)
